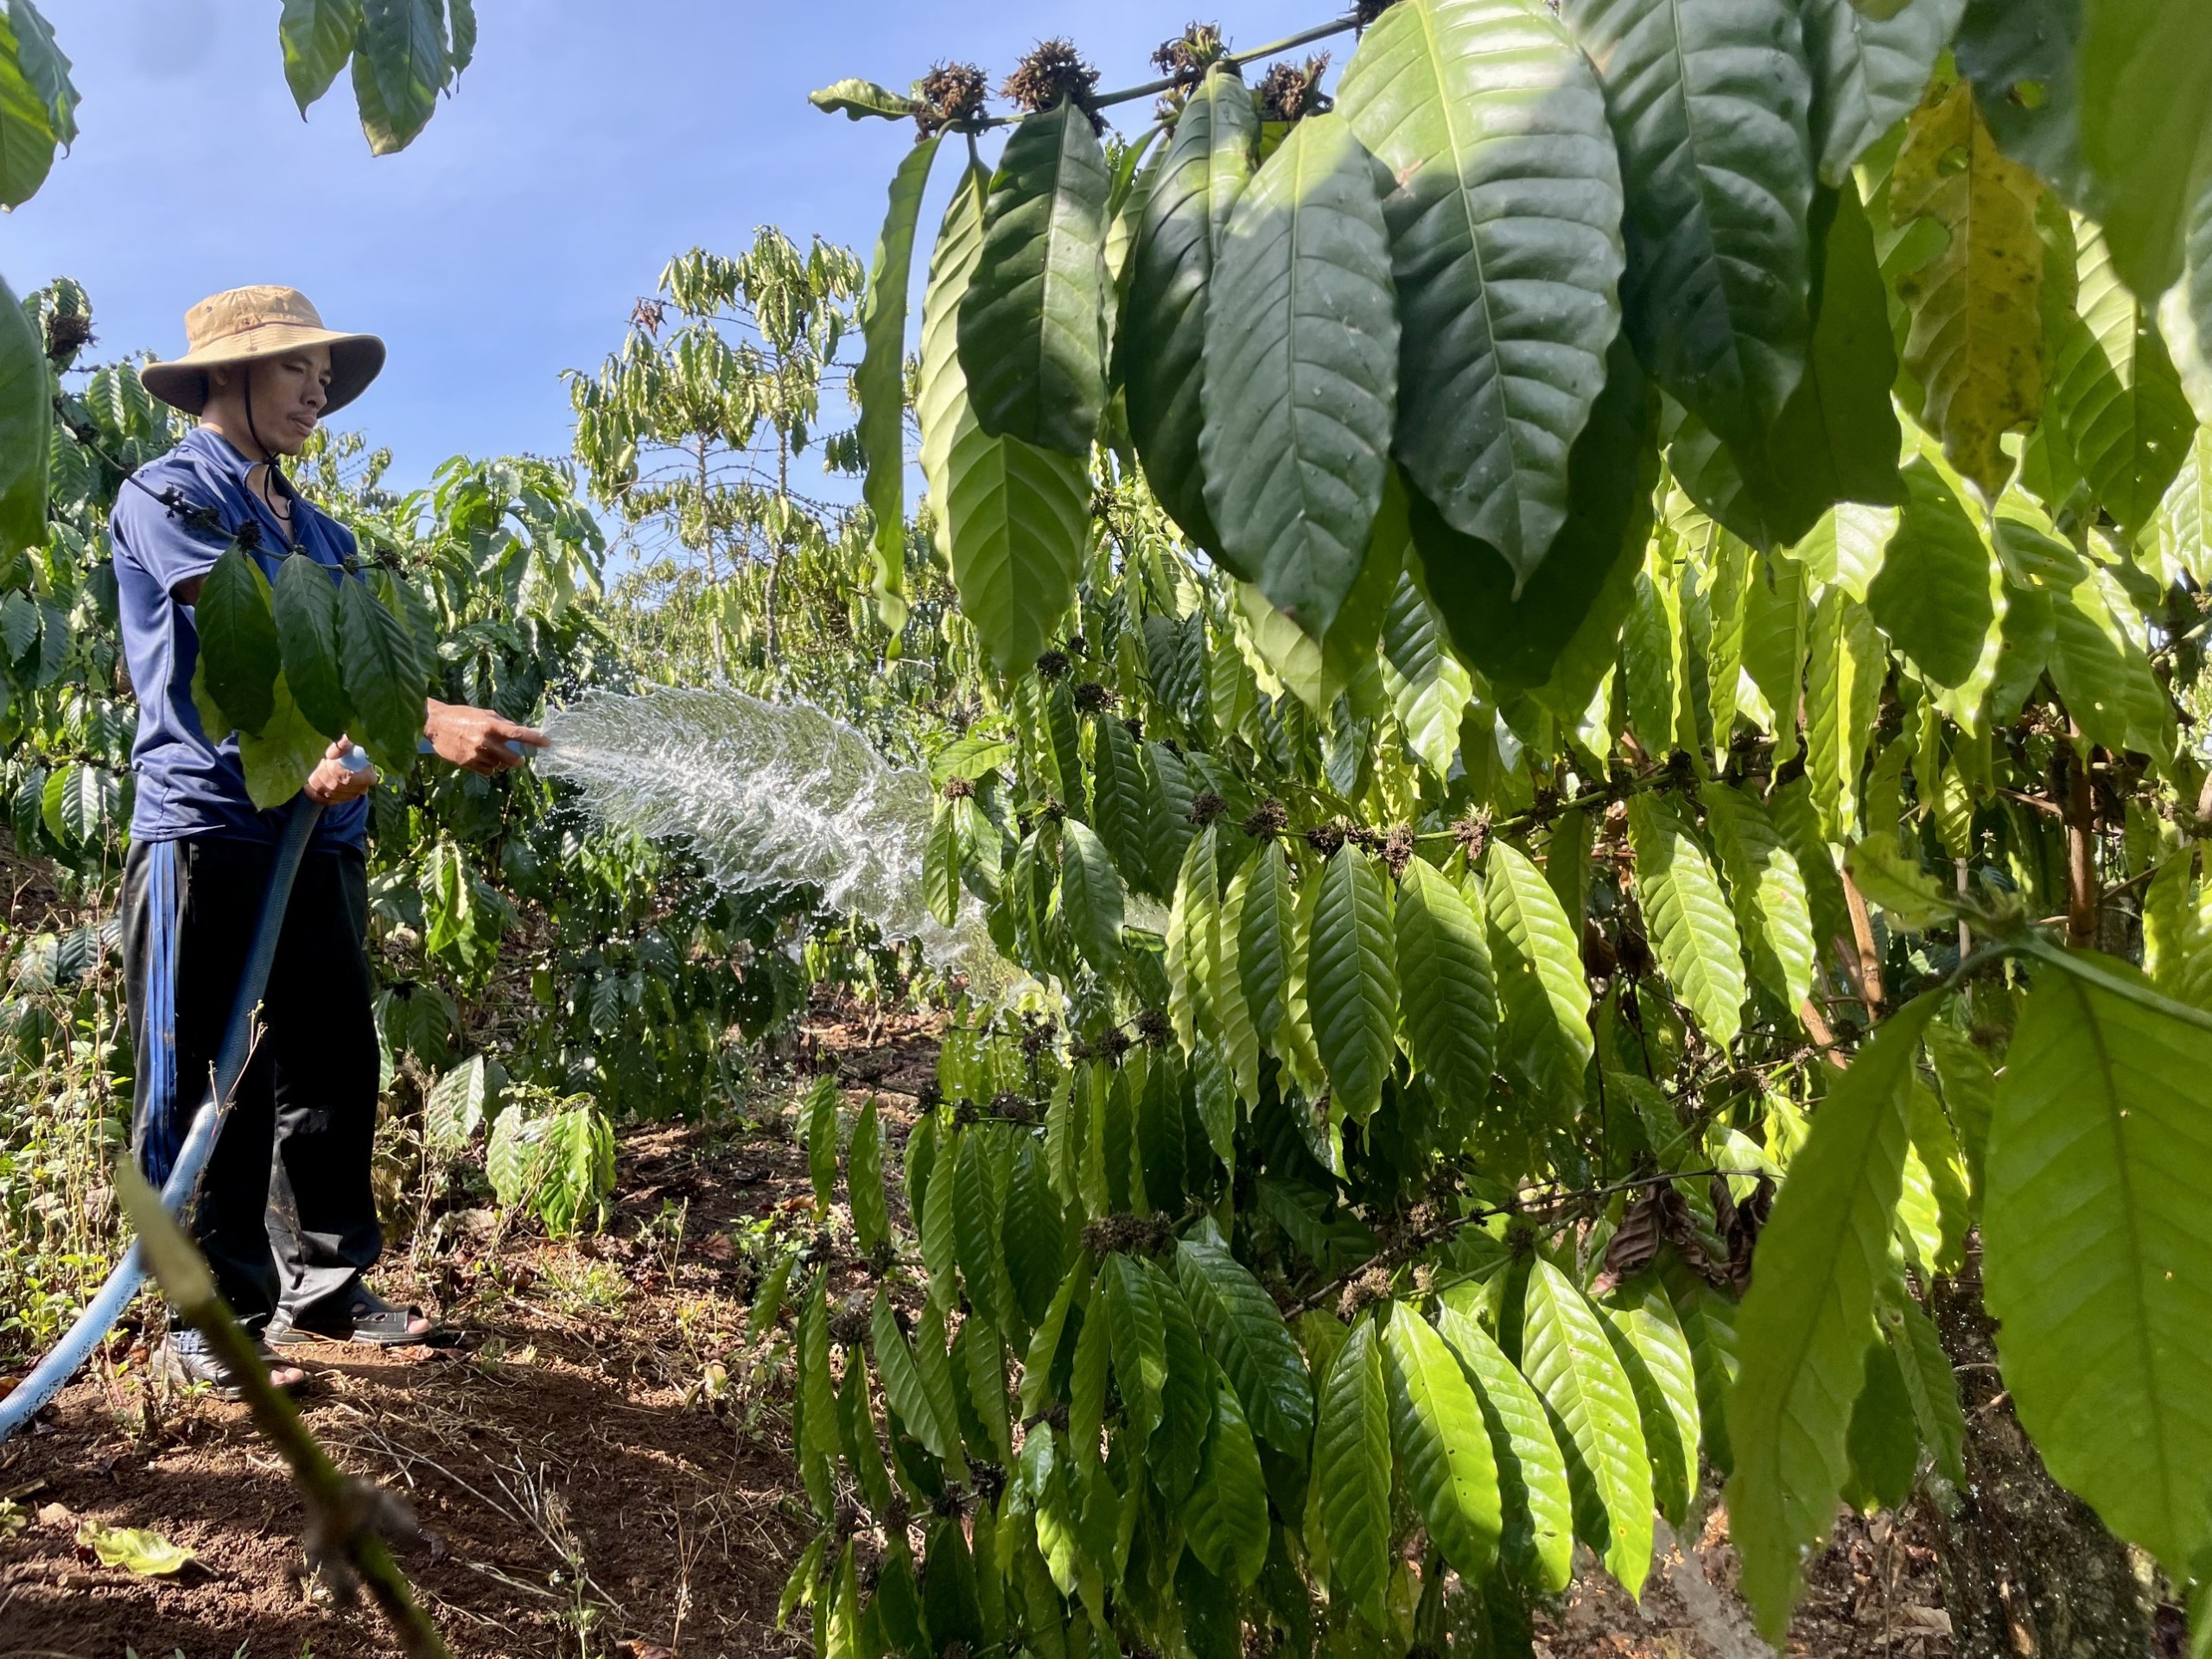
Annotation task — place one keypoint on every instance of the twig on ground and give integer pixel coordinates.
(347, 1519)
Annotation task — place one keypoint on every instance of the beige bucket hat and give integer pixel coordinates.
(241, 324)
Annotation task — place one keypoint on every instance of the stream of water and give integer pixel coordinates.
(767, 794)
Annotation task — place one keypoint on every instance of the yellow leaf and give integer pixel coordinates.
(1976, 345)
(147, 1554)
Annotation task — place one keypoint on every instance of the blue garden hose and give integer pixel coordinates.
(103, 1310)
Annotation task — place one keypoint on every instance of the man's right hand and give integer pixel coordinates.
(333, 782)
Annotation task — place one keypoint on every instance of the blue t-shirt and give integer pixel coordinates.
(187, 785)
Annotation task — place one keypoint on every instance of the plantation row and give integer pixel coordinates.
(1568, 623)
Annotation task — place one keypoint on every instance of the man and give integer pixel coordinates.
(285, 1216)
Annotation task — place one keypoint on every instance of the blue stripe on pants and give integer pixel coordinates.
(167, 1116)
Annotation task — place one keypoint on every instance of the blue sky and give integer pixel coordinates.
(587, 144)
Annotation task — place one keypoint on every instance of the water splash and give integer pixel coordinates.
(767, 795)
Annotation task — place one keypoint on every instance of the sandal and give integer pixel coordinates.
(365, 1318)
(187, 1364)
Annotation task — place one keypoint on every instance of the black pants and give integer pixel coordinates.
(286, 1216)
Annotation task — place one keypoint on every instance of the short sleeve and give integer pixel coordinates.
(165, 545)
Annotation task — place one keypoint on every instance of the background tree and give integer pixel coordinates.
(691, 436)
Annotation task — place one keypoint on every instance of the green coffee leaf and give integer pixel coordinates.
(1556, 631)
(1709, 1322)
(1538, 1505)
(976, 1224)
(462, 1102)
(1030, 340)
(1034, 1234)
(1969, 1086)
(1689, 918)
(1186, 1396)
(979, 1359)
(1013, 518)
(1161, 346)
(2095, 1258)
(306, 611)
(1505, 244)
(1768, 891)
(1245, 1333)
(871, 1205)
(856, 100)
(1352, 1471)
(1593, 1409)
(318, 37)
(1883, 1441)
(1538, 960)
(2142, 129)
(1937, 1150)
(879, 384)
(2116, 390)
(1445, 983)
(239, 657)
(1868, 71)
(383, 679)
(1806, 1323)
(1649, 1343)
(940, 1242)
(1442, 1443)
(401, 63)
(1240, 1038)
(1938, 592)
(1138, 1333)
(941, 866)
(40, 58)
(902, 1384)
(1123, 808)
(1191, 945)
(934, 1366)
(1929, 1383)
(1429, 689)
(1843, 685)
(1719, 173)
(818, 1112)
(1891, 878)
(1090, 898)
(1301, 373)
(1351, 980)
(1226, 1520)
(817, 1436)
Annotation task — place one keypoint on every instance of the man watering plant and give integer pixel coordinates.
(285, 1216)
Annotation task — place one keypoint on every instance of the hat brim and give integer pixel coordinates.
(182, 383)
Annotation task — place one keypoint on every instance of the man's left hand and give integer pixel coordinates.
(333, 782)
(477, 739)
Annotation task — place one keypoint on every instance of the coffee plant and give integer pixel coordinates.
(1597, 657)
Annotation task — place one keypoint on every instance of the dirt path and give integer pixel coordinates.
(600, 1468)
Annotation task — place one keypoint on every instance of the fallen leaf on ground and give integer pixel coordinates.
(147, 1554)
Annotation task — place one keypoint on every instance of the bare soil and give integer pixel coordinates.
(599, 1463)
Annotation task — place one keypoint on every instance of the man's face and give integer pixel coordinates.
(288, 393)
